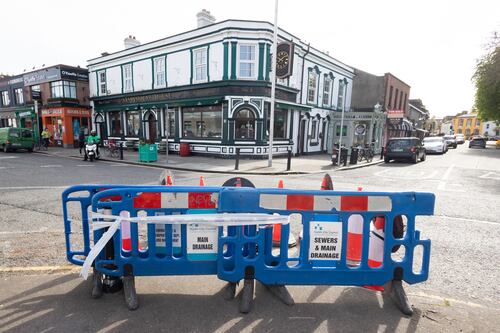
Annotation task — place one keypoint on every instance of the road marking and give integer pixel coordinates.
(33, 187)
(8, 157)
(463, 219)
(491, 175)
(442, 298)
(29, 232)
(59, 268)
(407, 174)
(442, 183)
(51, 166)
(85, 165)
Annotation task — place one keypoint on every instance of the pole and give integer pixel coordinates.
(273, 85)
(37, 134)
(342, 125)
(167, 133)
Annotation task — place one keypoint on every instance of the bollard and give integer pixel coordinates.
(289, 161)
(237, 161)
(121, 150)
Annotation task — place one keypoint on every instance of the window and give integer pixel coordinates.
(247, 61)
(311, 87)
(5, 98)
(133, 123)
(170, 123)
(460, 122)
(344, 130)
(127, 78)
(396, 99)
(102, 83)
(389, 105)
(202, 122)
(35, 88)
(327, 85)
(280, 123)
(63, 89)
(478, 122)
(244, 125)
(314, 130)
(200, 65)
(159, 64)
(19, 96)
(115, 123)
(400, 99)
(469, 122)
(340, 101)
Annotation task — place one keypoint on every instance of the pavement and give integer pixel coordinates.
(308, 164)
(41, 292)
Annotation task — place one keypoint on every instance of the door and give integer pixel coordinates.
(325, 136)
(151, 125)
(302, 136)
(76, 131)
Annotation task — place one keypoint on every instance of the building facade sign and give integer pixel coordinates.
(54, 74)
(395, 114)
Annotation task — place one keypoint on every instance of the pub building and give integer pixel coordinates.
(62, 93)
(210, 88)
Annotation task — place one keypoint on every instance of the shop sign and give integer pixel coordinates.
(52, 112)
(392, 114)
(44, 75)
(73, 112)
(25, 114)
(74, 75)
(360, 129)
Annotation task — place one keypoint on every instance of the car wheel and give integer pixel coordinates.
(386, 160)
(415, 159)
(423, 157)
(5, 149)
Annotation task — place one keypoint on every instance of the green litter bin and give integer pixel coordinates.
(148, 153)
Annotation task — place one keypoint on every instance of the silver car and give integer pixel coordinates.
(451, 140)
(435, 144)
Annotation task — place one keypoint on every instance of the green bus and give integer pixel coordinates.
(12, 138)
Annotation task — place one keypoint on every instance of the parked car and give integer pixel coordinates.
(435, 144)
(451, 140)
(477, 141)
(12, 138)
(460, 139)
(404, 149)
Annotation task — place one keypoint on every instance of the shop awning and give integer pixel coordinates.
(160, 105)
(403, 125)
(285, 105)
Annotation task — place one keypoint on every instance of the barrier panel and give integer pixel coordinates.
(180, 230)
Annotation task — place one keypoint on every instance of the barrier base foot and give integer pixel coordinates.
(282, 293)
(398, 295)
(229, 291)
(247, 295)
(96, 284)
(129, 292)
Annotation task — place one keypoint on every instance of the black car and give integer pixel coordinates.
(477, 141)
(404, 149)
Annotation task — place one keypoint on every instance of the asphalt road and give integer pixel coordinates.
(462, 291)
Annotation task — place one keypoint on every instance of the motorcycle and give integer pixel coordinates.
(91, 152)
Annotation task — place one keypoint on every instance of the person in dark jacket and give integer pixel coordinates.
(81, 140)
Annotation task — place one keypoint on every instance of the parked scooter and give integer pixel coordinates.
(91, 152)
(335, 155)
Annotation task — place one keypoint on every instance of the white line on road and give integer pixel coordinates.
(8, 157)
(442, 183)
(85, 165)
(491, 175)
(51, 166)
(463, 219)
(33, 187)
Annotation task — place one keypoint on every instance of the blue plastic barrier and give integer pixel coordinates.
(246, 252)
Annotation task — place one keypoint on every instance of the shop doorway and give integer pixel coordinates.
(302, 136)
(150, 126)
(244, 125)
(324, 134)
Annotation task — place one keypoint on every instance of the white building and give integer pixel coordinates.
(491, 129)
(210, 87)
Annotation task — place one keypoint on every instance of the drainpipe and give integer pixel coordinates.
(303, 65)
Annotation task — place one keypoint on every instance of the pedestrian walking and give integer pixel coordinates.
(46, 137)
(81, 140)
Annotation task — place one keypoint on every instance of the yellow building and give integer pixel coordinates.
(468, 125)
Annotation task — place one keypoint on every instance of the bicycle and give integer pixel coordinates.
(366, 153)
(112, 149)
(41, 145)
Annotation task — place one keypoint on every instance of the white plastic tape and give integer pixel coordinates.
(220, 220)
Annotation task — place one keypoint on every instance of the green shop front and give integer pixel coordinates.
(27, 118)
(212, 122)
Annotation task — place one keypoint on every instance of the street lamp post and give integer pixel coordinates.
(273, 85)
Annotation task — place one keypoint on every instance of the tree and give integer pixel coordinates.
(487, 81)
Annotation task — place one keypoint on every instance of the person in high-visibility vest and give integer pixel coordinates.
(45, 137)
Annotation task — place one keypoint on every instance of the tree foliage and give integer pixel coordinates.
(487, 81)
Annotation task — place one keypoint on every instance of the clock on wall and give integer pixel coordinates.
(284, 60)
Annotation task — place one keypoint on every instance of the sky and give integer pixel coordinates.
(431, 45)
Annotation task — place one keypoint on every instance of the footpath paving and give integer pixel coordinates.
(309, 164)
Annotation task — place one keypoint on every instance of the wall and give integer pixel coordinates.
(367, 91)
(397, 84)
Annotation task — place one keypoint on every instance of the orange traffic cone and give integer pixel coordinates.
(202, 181)
(169, 181)
(327, 183)
(277, 230)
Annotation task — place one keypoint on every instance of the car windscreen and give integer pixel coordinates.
(398, 144)
(14, 132)
(433, 140)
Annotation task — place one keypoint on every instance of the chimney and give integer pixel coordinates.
(205, 18)
(130, 41)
